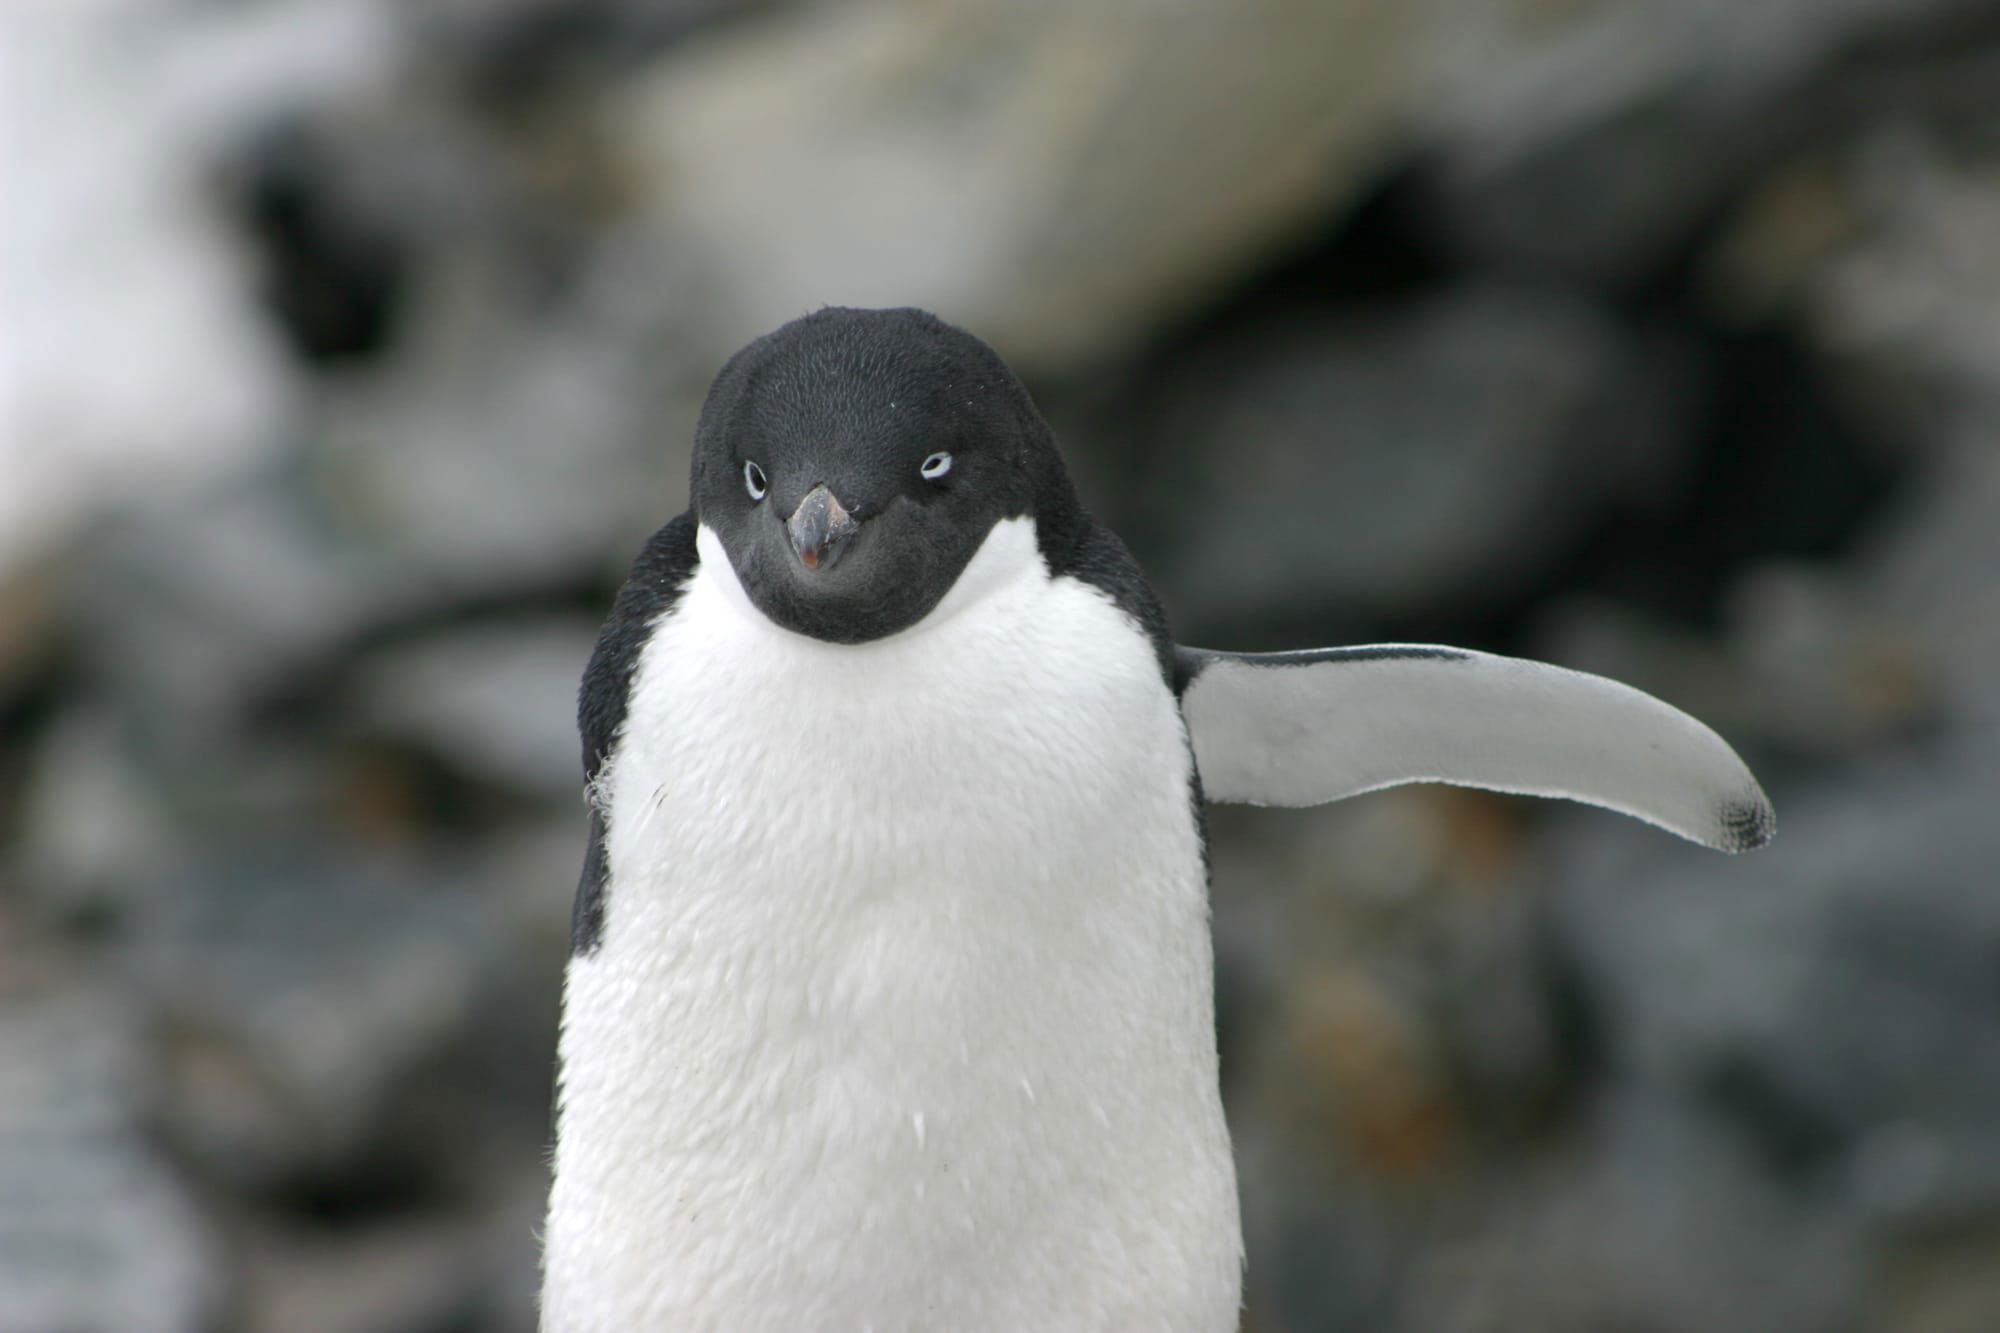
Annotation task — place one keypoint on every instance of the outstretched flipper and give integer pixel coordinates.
(1309, 727)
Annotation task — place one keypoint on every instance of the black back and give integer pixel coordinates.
(651, 590)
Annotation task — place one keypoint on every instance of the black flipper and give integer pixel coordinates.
(651, 590)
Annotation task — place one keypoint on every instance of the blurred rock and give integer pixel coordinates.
(1606, 202)
(1932, 568)
(1382, 1028)
(1054, 176)
(491, 476)
(504, 448)
(1948, 1288)
(1590, 141)
(300, 998)
(1826, 993)
(1879, 245)
(498, 701)
(1883, 247)
(1804, 667)
(1357, 467)
(96, 1234)
(1914, 301)
(92, 827)
(134, 360)
(1907, 311)
(436, 1273)
(195, 610)
(518, 49)
(1654, 1222)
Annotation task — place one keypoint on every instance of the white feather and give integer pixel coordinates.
(1295, 729)
(835, 870)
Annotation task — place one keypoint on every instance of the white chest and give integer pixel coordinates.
(903, 1012)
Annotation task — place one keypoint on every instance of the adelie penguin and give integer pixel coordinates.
(891, 999)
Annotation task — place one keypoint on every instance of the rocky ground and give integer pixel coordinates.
(348, 348)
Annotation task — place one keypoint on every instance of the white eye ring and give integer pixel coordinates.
(935, 466)
(753, 481)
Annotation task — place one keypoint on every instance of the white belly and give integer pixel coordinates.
(903, 1015)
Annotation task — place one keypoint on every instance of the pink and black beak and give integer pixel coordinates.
(820, 529)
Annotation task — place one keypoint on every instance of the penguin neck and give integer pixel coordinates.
(1009, 557)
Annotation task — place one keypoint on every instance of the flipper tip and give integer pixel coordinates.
(1747, 823)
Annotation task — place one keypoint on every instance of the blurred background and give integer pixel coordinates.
(350, 348)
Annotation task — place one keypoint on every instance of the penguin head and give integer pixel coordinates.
(853, 462)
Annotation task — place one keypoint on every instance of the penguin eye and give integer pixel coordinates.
(935, 466)
(753, 481)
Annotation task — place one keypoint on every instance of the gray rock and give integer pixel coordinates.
(525, 45)
(302, 998)
(97, 1235)
(92, 822)
(507, 445)
(1590, 141)
(448, 489)
(1881, 247)
(1382, 1026)
(1903, 304)
(1371, 466)
(1826, 998)
(192, 612)
(498, 701)
(1909, 299)
(1653, 1221)
(1782, 1118)
(1605, 203)
(1106, 177)
(1930, 569)
(1805, 665)
(1054, 177)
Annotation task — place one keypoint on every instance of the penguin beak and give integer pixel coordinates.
(820, 529)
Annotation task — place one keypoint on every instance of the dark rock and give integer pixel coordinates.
(497, 700)
(1930, 570)
(517, 51)
(302, 999)
(1594, 143)
(334, 277)
(1344, 467)
(437, 1272)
